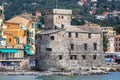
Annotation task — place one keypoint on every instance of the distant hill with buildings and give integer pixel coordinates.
(15, 7)
(96, 11)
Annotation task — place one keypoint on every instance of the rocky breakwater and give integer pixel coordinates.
(112, 68)
(91, 70)
(80, 71)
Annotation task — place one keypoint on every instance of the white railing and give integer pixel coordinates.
(13, 59)
(4, 27)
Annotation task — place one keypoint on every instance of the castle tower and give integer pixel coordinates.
(58, 18)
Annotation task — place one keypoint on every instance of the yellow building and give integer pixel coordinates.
(14, 34)
(16, 37)
(20, 41)
(19, 33)
(26, 25)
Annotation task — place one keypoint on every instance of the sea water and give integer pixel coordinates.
(110, 76)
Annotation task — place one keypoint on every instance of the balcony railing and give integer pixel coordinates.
(13, 59)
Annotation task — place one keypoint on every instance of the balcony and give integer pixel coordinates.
(13, 59)
(4, 27)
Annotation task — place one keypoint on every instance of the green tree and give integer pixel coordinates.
(117, 29)
(77, 21)
(42, 19)
(105, 43)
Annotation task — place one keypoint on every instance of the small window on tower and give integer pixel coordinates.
(60, 57)
(84, 57)
(89, 35)
(85, 46)
(52, 37)
(62, 26)
(62, 17)
(48, 49)
(72, 46)
(73, 57)
(69, 34)
(55, 27)
(95, 46)
(76, 34)
(59, 16)
(94, 57)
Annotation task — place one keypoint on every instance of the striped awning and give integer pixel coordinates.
(26, 46)
(28, 52)
(2, 39)
(8, 50)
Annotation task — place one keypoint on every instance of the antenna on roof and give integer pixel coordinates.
(56, 4)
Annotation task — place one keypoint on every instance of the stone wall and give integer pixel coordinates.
(61, 46)
(62, 42)
(58, 18)
(49, 21)
(67, 45)
(51, 61)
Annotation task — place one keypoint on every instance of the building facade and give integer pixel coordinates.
(14, 55)
(2, 38)
(110, 34)
(117, 43)
(15, 34)
(20, 42)
(23, 27)
(66, 46)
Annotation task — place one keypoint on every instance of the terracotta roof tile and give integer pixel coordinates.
(117, 36)
(19, 19)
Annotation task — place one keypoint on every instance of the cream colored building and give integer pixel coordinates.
(2, 38)
(110, 33)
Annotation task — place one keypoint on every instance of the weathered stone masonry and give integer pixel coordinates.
(69, 47)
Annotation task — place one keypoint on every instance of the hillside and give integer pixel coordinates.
(14, 7)
(80, 13)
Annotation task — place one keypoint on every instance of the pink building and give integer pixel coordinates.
(117, 43)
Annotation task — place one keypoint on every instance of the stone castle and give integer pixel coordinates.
(64, 46)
